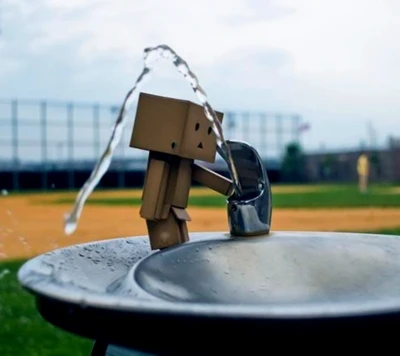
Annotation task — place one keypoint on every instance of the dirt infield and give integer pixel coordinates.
(28, 228)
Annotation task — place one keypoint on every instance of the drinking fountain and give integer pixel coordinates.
(249, 287)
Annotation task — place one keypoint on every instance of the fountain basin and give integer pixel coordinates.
(299, 284)
(284, 274)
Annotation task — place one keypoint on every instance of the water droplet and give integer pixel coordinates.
(81, 254)
(64, 279)
(197, 249)
(70, 224)
(210, 247)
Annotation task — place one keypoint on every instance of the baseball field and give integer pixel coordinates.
(32, 223)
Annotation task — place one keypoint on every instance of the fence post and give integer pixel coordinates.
(43, 120)
(15, 143)
(279, 139)
(296, 127)
(246, 123)
(264, 133)
(230, 124)
(70, 124)
(96, 130)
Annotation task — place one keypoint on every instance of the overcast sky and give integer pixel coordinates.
(336, 63)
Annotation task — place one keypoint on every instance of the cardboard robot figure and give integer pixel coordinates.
(175, 132)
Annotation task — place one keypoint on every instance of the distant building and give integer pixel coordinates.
(340, 166)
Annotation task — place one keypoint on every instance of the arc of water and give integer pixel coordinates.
(151, 57)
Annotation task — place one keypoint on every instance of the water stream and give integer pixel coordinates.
(151, 56)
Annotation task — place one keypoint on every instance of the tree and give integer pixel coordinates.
(293, 164)
(376, 163)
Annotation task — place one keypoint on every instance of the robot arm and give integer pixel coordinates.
(212, 180)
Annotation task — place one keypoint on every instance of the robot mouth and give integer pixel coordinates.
(200, 145)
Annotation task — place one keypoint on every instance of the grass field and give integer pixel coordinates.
(23, 332)
(329, 197)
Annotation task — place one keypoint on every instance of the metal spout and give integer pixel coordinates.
(249, 211)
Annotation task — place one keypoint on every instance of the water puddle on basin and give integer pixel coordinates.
(151, 56)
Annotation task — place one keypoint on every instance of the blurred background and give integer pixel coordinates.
(312, 85)
(314, 74)
(49, 144)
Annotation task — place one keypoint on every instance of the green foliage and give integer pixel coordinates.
(393, 231)
(293, 165)
(23, 331)
(376, 163)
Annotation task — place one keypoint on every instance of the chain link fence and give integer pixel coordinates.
(47, 136)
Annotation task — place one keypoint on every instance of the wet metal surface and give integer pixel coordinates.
(286, 274)
(250, 212)
(303, 286)
(282, 270)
